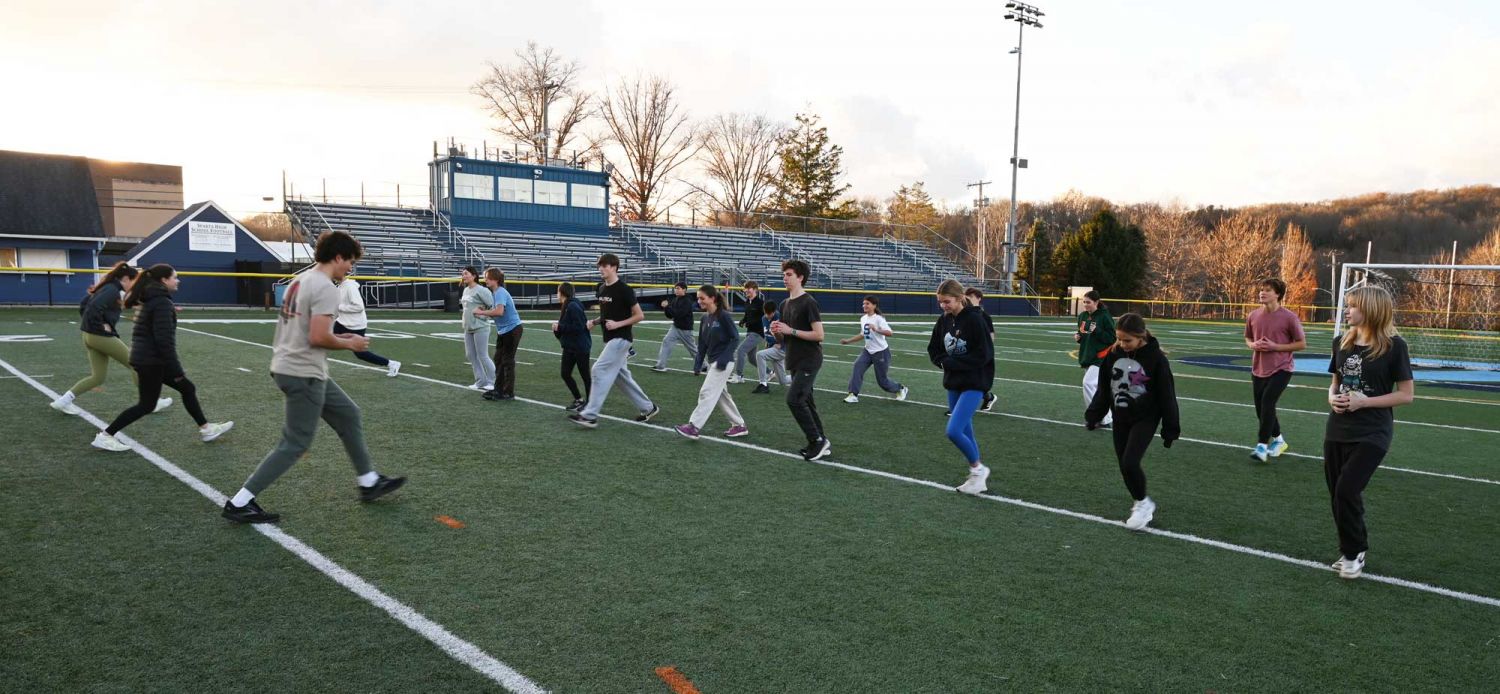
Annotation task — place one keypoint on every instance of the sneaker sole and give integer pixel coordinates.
(247, 521)
(647, 417)
(736, 435)
(584, 423)
(685, 435)
(822, 454)
(111, 450)
(387, 490)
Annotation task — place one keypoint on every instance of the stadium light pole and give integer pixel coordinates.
(546, 133)
(1023, 15)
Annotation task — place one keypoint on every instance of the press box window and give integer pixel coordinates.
(515, 189)
(551, 193)
(473, 186)
(588, 196)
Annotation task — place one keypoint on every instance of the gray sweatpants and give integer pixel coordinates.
(749, 347)
(307, 401)
(772, 358)
(612, 368)
(676, 335)
(882, 362)
(477, 349)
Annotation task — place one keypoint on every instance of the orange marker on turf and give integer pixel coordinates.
(450, 521)
(676, 680)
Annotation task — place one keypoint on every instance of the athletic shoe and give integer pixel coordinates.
(65, 407)
(989, 402)
(576, 406)
(393, 368)
(687, 430)
(1140, 514)
(1260, 453)
(479, 387)
(1104, 426)
(975, 484)
(787, 381)
(851, 398)
(818, 451)
(630, 354)
(106, 442)
(249, 513)
(947, 413)
(737, 431)
(659, 369)
(1338, 564)
(583, 421)
(646, 416)
(1352, 568)
(383, 485)
(762, 388)
(736, 378)
(162, 404)
(213, 431)
(901, 396)
(491, 395)
(1277, 447)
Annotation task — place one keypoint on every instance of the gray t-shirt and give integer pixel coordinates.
(310, 294)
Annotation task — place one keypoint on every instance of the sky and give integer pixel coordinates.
(1156, 100)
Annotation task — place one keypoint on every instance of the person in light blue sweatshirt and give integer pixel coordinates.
(508, 335)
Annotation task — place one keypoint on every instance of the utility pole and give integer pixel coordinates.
(1333, 281)
(982, 256)
(1023, 15)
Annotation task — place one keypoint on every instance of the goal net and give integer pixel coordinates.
(1449, 314)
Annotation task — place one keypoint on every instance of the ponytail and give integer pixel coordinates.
(154, 276)
(121, 269)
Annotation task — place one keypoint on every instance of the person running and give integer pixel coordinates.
(754, 331)
(477, 297)
(975, 297)
(801, 329)
(618, 311)
(351, 320)
(153, 355)
(1371, 370)
(1142, 396)
(100, 314)
(773, 357)
(1095, 334)
(572, 331)
(960, 346)
(1272, 333)
(680, 309)
(873, 329)
(299, 366)
(717, 339)
(508, 335)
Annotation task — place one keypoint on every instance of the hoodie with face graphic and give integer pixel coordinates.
(961, 346)
(1137, 386)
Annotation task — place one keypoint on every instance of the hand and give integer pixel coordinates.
(554, 326)
(359, 342)
(1339, 402)
(612, 325)
(1263, 345)
(592, 323)
(1078, 337)
(1354, 400)
(1166, 442)
(664, 304)
(1091, 425)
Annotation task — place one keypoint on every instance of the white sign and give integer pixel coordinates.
(215, 237)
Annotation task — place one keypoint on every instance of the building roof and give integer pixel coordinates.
(47, 195)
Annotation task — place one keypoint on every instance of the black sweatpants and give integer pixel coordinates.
(1131, 443)
(1348, 468)
(799, 398)
(505, 361)
(150, 379)
(578, 359)
(373, 358)
(1268, 390)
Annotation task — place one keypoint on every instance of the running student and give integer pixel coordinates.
(1371, 375)
(618, 310)
(508, 330)
(801, 329)
(572, 331)
(299, 365)
(153, 355)
(99, 316)
(1272, 333)
(477, 297)
(1096, 332)
(351, 320)
(960, 346)
(754, 331)
(873, 329)
(717, 339)
(773, 357)
(1142, 396)
(975, 298)
(680, 309)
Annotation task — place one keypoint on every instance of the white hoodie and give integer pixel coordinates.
(351, 306)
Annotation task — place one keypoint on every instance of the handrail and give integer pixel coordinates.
(470, 253)
(778, 240)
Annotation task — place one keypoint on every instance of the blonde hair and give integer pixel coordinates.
(952, 288)
(1378, 327)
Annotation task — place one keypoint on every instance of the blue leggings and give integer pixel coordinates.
(961, 424)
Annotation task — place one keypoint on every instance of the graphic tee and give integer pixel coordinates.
(1373, 377)
(869, 326)
(310, 294)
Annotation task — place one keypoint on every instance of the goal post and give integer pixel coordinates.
(1449, 314)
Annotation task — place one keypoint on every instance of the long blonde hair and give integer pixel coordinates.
(1378, 326)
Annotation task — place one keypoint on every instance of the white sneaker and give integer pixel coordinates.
(478, 387)
(736, 378)
(1350, 568)
(1141, 514)
(1260, 453)
(162, 404)
(393, 368)
(213, 431)
(1277, 447)
(975, 484)
(902, 395)
(851, 398)
(65, 407)
(106, 442)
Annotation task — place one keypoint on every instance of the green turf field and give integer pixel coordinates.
(588, 559)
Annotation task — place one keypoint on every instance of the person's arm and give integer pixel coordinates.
(1249, 337)
(1404, 393)
(856, 338)
(731, 338)
(487, 299)
(164, 333)
(1166, 400)
(1100, 403)
(936, 352)
(883, 327)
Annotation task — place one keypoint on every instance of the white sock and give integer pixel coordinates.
(66, 398)
(243, 497)
(367, 479)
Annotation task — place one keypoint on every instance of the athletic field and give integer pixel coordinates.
(528, 553)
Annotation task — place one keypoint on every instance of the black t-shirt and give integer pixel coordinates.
(801, 313)
(616, 302)
(1373, 377)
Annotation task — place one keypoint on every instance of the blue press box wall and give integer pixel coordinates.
(494, 214)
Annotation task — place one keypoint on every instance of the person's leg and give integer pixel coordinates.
(727, 406)
(778, 365)
(505, 367)
(304, 406)
(882, 372)
(482, 350)
(799, 401)
(368, 356)
(1090, 385)
(812, 403)
(857, 377)
(762, 363)
(665, 353)
(627, 385)
(1258, 388)
(606, 368)
(1360, 460)
(342, 414)
(1135, 439)
(583, 372)
(1276, 384)
(569, 361)
(148, 389)
(94, 346)
(960, 429)
(749, 348)
(715, 384)
(690, 342)
(472, 355)
(189, 393)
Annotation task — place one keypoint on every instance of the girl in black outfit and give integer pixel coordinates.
(960, 345)
(153, 355)
(99, 312)
(572, 331)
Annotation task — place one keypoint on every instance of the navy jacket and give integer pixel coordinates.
(717, 338)
(154, 342)
(101, 311)
(573, 328)
(961, 346)
(680, 310)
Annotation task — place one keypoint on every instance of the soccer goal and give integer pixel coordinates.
(1449, 314)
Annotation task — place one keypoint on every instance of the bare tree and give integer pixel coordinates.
(1242, 250)
(1174, 254)
(739, 155)
(654, 137)
(540, 84)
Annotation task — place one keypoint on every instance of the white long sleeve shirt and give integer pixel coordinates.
(351, 306)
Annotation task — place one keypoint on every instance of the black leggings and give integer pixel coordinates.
(148, 390)
(1131, 443)
(1348, 468)
(373, 358)
(1268, 390)
(576, 359)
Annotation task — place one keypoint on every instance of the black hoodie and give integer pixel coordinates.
(680, 310)
(101, 311)
(1137, 386)
(961, 346)
(154, 342)
(753, 313)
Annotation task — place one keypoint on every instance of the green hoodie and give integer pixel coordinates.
(1098, 331)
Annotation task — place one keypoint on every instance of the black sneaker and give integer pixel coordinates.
(818, 451)
(989, 402)
(762, 388)
(491, 395)
(585, 422)
(577, 406)
(948, 413)
(506, 396)
(383, 485)
(646, 417)
(249, 513)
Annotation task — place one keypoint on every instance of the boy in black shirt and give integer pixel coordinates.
(801, 328)
(618, 310)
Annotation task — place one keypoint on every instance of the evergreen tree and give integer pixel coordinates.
(1103, 254)
(1036, 267)
(911, 205)
(810, 171)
